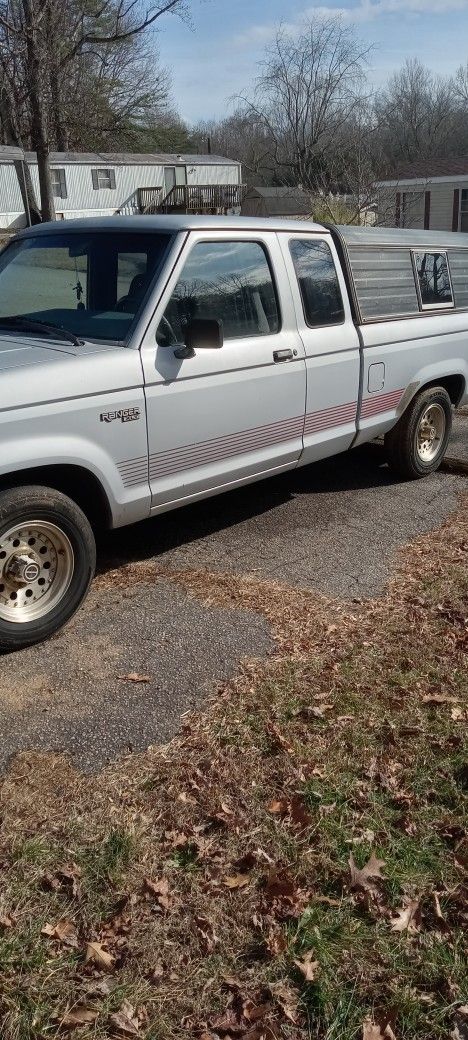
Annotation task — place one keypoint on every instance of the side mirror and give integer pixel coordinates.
(199, 334)
(204, 332)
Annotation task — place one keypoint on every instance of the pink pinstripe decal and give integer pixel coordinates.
(327, 418)
(191, 456)
(375, 405)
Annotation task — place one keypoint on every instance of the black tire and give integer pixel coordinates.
(401, 443)
(24, 506)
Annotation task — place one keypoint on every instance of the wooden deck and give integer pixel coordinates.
(192, 198)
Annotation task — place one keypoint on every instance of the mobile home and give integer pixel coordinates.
(104, 184)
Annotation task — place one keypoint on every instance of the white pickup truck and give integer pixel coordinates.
(151, 361)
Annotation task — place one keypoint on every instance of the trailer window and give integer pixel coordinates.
(318, 282)
(435, 289)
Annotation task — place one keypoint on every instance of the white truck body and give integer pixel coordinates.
(311, 364)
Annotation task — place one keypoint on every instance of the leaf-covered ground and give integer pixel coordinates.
(294, 865)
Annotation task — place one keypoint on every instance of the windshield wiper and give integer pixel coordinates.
(17, 321)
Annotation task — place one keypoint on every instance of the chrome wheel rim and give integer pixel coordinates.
(430, 432)
(36, 568)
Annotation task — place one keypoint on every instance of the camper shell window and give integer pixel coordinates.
(433, 280)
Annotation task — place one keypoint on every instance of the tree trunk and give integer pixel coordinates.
(53, 59)
(12, 136)
(39, 129)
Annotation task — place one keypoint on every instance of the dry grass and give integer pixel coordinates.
(214, 874)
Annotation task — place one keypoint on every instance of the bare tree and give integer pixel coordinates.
(242, 136)
(45, 39)
(308, 92)
(419, 115)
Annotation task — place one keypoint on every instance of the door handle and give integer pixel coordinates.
(282, 355)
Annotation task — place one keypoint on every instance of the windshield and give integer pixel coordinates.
(93, 284)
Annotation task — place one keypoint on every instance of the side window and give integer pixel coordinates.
(318, 281)
(432, 271)
(227, 280)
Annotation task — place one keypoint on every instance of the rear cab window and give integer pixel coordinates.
(231, 281)
(317, 277)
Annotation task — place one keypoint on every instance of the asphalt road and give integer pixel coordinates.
(334, 527)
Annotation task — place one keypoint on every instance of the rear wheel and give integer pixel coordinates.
(416, 445)
(47, 561)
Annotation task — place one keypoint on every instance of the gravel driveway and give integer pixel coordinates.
(333, 527)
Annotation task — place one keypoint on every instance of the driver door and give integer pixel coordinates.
(231, 414)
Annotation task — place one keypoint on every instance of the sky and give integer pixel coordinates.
(216, 55)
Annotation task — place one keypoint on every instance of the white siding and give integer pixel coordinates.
(84, 200)
(412, 209)
(442, 206)
(11, 205)
(213, 174)
(82, 197)
(441, 210)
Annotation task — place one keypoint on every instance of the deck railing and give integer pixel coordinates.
(149, 199)
(202, 198)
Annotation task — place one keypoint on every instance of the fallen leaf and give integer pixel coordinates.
(377, 1030)
(64, 931)
(80, 1016)
(159, 889)
(255, 1012)
(280, 885)
(236, 881)
(230, 982)
(442, 923)
(126, 1020)
(287, 998)
(276, 942)
(279, 806)
(300, 815)
(135, 677)
(440, 698)
(97, 955)
(69, 877)
(308, 966)
(408, 918)
(460, 1029)
(6, 921)
(208, 938)
(363, 877)
(157, 972)
(99, 988)
(246, 862)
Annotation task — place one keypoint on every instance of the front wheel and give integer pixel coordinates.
(47, 561)
(417, 444)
